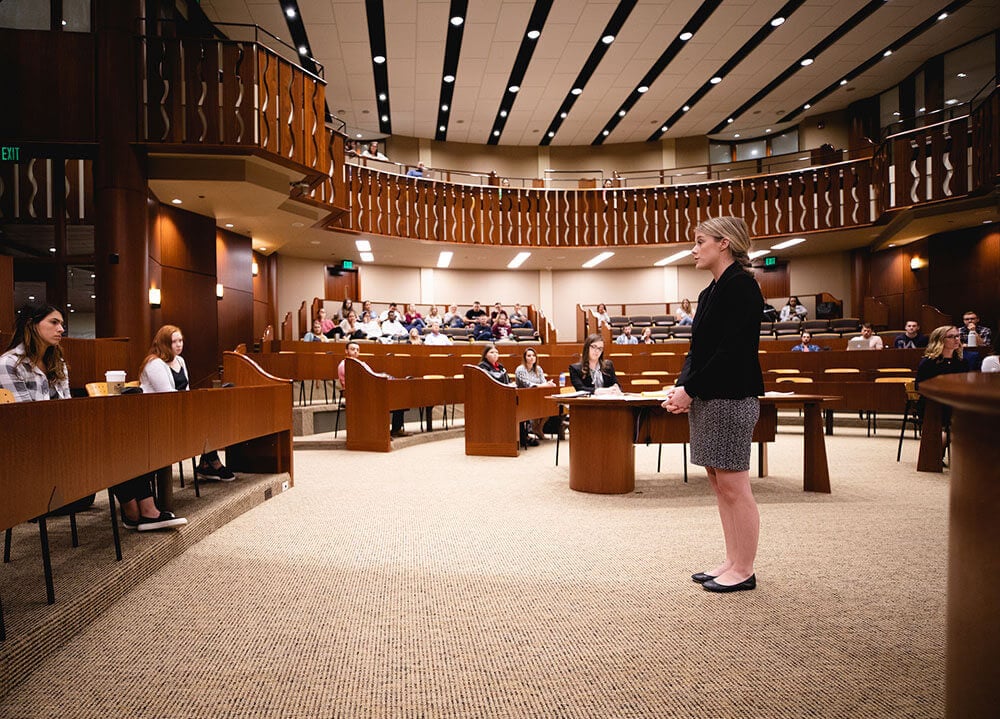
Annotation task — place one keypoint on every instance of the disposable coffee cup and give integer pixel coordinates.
(115, 380)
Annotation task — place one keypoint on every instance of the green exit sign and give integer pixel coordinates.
(10, 153)
(347, 264)
(770, 262)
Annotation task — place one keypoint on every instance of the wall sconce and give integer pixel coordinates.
(917, 263)
(254, 269)
(219, 291)
(154, 298)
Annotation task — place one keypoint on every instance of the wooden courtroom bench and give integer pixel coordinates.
(493, 412)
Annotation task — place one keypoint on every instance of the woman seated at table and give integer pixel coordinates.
(530, 374)
(490, 363)
(164, 370)
(942, 356)
(593, 373)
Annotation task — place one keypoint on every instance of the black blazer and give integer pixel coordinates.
(725, 336)
(586, 384)
(500, 374)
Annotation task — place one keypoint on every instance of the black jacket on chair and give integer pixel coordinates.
(725, 337)
(586, 384)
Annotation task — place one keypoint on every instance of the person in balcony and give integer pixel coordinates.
(371, 151)
(418, 171)
(794, 310)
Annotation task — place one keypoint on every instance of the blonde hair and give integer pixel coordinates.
(733, 229)
(935, 344)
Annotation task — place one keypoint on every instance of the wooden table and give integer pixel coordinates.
(604, 429)
(493, 412)
(973, 620)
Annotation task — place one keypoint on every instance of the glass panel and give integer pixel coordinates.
(967, 69)
(888, 107)
(719, 153)
(80, 301)
(25, 15)
(753, 150)
(785, 142)
(24, 241)
(76, 15)
(25, 291)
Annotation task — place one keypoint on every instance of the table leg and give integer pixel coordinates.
(815, 470)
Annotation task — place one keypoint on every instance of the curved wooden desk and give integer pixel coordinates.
(602, 459)
(493, 411)
(973, 624)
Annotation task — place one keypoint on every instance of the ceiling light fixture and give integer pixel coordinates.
(685, 108)
(444, 259)
(788, 243)
(449, 78)
(533, 34)
(641, 89)
(758, 253)
(775, 22)
(608, 39)
(806, 61)
(595, 261)
(672, 258)
(303, 50)
(363, 245)
(887, 53)
(442, 128)
(518, 260)
(378, 59)
(685, 36)
(444, 108)
(513, 88)
(177, 201)
(290, 11)
(229, 225)
(382, 97)
(576, 91)
(621, 113)
(503, 113)
(456, 21)
(843, 82)
(942, 16)
(367, 257)
(716, 80)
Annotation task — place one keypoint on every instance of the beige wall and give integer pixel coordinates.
(556, 293)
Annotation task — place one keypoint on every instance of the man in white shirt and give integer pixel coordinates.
(392, 327)
(874, 342)
(353, 351)
(434, 337)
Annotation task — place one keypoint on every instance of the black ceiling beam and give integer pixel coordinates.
(452, 52)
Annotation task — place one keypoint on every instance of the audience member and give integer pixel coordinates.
(593, 373)
(806, 344)
(369, 325)
(992, 363)
(519, 318)
(452, 318)
(326, 325)
(346, 306)
(371, 150)
(942, 356)
(602, 316)
(647, 336)
(32, 367)
(384, 314)
(529, 374)
(970, 322)
(495, 312)
(317, 333)
(353, 351)
(434, 337)
(414, 337)
(501, 328)
(482, 330)
(794, 310)
(911, 337)
(626, 338)
(433, 315)
(351, 328)
(475, 312)
(684, 315)
(392, 327)
(164, 370)
(866, 340)
(413, 319)
(490, 363)
(417, 171)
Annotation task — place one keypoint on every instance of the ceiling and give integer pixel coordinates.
(337, 35)
(493, 38)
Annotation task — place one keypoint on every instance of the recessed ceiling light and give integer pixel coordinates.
(382, 97)
(496, 133)
(673, 258)
(606, 133)
(177, 201)
(552, 134)
(729, 121)
(367, 257)
(767, 130)
(641, 89)
(775, 22)
(962, 74)
(313, 242)
(887, 53)
(64, 23)
(441, 128)
(806, 61)
(444, 259)
(303, 50)
(52, 250)
(518, 260)
(503, 113)
(664, 128)
(363, 245)
(290, 11)
(806, 106)
(576, 91)
(513, 88)
(608, 39)
(358, 135)
(229, 225)
(385, 118)
(621, 113)
(896, 114)
(685, 108)
(952, 101)
(456, 21)
(892, 244)
(595, 261)
(736, 134)
(378, 59)
(788, 243)
(685, 36)
(716, 80)
(562, 115)
(449, 78)
(444, 108)
(922, 109)
(843, 82)
(942, 16)
(533, 34)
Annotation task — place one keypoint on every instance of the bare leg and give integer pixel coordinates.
(740, 524)
(726, 528)
(131, 510)
(147, 507)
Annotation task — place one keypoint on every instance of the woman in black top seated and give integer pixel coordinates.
(593, 373)
(490, 363)
(942, 356)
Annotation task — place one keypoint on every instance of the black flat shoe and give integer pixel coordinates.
(701, 577)
(713, 586)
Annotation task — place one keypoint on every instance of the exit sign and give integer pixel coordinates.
(770, 262)
(10, 153)
(347, 264)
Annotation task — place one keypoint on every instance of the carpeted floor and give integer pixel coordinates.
(423, 583)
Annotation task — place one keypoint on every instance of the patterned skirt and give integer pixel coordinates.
(721, 431)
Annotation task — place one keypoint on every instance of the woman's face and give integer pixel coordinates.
(51, 328)
(952, 341)
(317, 327)
(707, 251)
(321, 314)
(493, 356)
(352, 316)
(792, 301)
(530, 358)
(595, 352)
(176, 343)
(602, 309)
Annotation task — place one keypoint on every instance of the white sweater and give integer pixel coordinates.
(157, 377)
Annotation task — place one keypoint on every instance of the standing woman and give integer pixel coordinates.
(164, 370)
(719, 387)
(593, 373)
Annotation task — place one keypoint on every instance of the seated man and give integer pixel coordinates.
(867, 340)
(970, 322)
(911, 337)
(434, 337)
(519, 318)
(392, 327)
(353, 351)
(482, 330)
(417, 171)
(452, 318)
(495, 312)
(317, 333)
(806, 344)
(474, 313)
(385, 313)
(626, 338)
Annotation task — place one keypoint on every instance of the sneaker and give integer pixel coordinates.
(164, 521)
(223, 473)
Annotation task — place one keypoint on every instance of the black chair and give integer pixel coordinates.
(909, 415)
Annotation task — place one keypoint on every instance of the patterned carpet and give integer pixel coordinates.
(423, 583)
